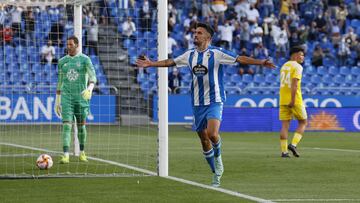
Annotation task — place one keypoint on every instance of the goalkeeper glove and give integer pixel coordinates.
(87, 93)
(58, 106)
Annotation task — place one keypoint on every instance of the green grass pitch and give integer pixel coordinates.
(326, 171)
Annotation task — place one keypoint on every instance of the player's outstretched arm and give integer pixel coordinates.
(145, 62)
(251, 61)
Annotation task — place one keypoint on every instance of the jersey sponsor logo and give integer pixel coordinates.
(72, 75)
(200, 70)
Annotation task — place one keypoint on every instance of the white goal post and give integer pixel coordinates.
(162, 18)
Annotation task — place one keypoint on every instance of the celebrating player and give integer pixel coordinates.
(291, 103)
(74, 89)
(207, 90)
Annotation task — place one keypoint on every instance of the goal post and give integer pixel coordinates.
(115, 141)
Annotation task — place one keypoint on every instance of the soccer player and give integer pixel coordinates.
(291, 102)
(207, 90)
(76, 82)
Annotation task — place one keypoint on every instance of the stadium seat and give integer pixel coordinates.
(344, 70)
(339, 79)
(258, 78)
(315, 79)
(231, 70)
(246, 78)
(128, 43)
(333, 70)
(321, 70)
(310, 69)
(235, 78)
(327, 79)
(355, 70)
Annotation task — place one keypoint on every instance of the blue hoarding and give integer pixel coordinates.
(267, 119)
(18, 108)
(180, 110)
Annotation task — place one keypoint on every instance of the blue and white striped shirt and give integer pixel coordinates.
(207, 73)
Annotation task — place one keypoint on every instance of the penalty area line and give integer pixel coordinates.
(218, 189)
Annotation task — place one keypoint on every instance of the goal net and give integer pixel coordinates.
(120, 139)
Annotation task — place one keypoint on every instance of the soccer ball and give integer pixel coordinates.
(44, 161)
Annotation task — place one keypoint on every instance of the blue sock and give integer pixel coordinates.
(209, 156)
(217, 148)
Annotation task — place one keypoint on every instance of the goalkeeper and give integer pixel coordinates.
(74, 89)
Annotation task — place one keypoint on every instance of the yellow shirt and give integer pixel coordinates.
(290, 70)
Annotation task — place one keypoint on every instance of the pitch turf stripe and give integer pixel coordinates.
(337, 150)
(229, 192)
(316, 200)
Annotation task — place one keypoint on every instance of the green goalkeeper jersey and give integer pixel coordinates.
(74, 72)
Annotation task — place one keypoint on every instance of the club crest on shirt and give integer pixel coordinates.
(200, 70)
(78, 64)
(72, 75)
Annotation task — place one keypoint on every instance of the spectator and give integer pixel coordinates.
(313, 32)
(7, 34)
(335, 32)
(333, 5)
(256, 35)
(341, 14)
(350, 38)
(354, 10)
(243, 32)
(48, 53)
(219, 7)
(317, 56)
(174, 81)
(244, 68)
(206, 11)
(128, 29)
(321, 24)
(252, 15)
(226, 34)
(171, 44)
(284, 9)
(267, 6)
(343, 52)
(145, 16)
(189, 39)
(280, 36)
(16, 13)
(57, 32)
(30, 25)
(190, 21)
(92, 35)
(241, 7)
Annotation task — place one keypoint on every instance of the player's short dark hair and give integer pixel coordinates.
(296, 49)
(207, 27)
(74, 38)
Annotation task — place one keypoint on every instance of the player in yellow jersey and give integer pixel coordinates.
(291, 102)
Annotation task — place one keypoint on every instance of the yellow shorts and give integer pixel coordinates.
(298, 112)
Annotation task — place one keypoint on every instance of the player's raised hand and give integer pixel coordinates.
(268, 63)
(143, 62)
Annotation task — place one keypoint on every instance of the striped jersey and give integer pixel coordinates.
(207, 73)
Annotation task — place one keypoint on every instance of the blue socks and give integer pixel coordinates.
(209, 156)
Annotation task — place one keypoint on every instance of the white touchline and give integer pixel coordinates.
(331, 149)
(316, 200)
(229, 192)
